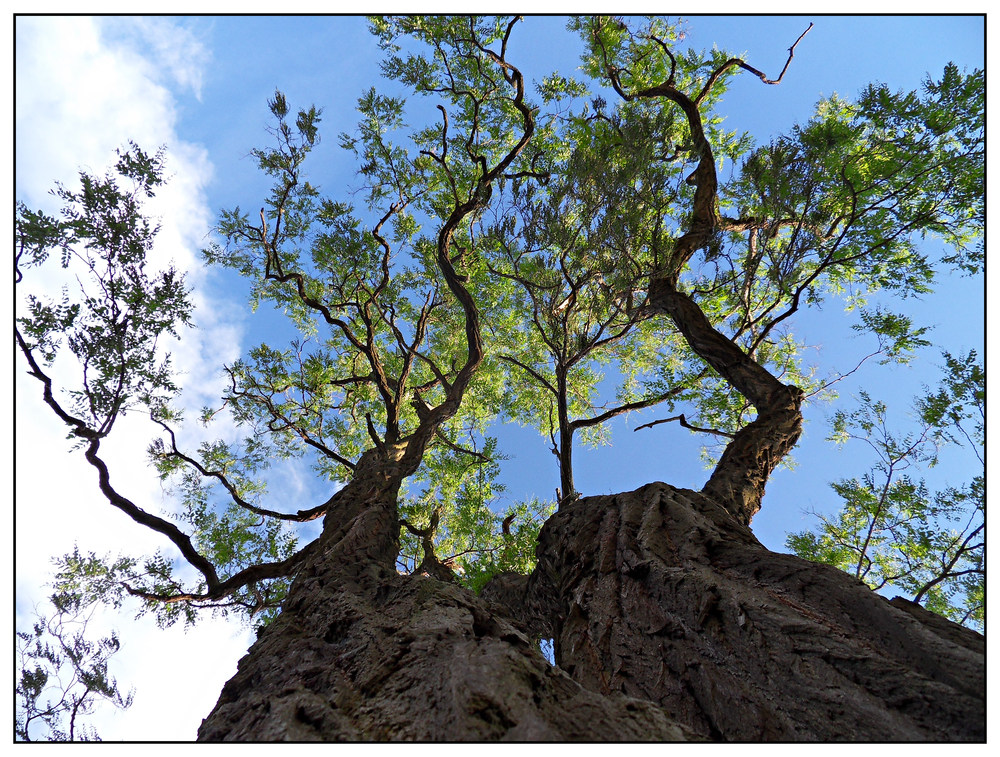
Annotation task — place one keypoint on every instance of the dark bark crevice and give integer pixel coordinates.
(529, 602)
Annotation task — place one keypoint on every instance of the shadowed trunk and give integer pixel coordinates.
(670, 620)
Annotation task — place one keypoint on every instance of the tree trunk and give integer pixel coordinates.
(670, 620)
(664, 596)
(360, 653)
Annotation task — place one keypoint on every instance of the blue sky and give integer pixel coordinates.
(199, 85)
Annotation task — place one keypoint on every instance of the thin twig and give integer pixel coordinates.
(683, 421)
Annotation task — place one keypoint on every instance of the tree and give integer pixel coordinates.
(63, 675)
(892, 531)
(505, 253)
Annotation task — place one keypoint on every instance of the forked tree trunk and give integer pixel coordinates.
(670, 621)
(365, 654)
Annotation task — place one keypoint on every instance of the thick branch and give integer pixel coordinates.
(140, 516)
(741, 474)
(739, 478)
(745, 375)
(245, 577)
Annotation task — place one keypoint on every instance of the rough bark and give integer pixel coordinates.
(361, 654)
(665, 597)
(671, 621)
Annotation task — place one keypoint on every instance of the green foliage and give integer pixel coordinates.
(529, 228)
(957, 409)
(897, 337)
(892, 531)
(840, 205)
(103, 580)
(113, 323)
(577, 250)
(62, 675)
(511, 551)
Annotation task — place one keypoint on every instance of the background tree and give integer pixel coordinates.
(893, 532)
(394, 376)
(62, 675)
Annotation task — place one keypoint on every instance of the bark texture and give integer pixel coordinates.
(671, 621)
(359, 656)
(665, 597)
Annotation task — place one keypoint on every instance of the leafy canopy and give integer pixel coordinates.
(492, 265)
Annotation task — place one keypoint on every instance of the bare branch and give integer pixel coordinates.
(683, 421)
(629, 407)
(746, 67)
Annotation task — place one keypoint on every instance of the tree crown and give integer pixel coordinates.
(556, 257)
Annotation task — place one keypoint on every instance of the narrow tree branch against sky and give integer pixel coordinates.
(439, 332)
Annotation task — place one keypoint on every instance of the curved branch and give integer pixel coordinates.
(947, 571)
(80, 428)
(627, 408)
(747, 67)
(253, 574)
(431, 564)
(300, 517)
(181, 540)
(531, 372)
(460, 449)
(478, 200)
(741, 473)
(258, 397)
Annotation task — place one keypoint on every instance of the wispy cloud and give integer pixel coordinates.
(171, 52)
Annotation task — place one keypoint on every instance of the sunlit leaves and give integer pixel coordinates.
(897, 337)
(103, 580)
(556, 87)
(639, 50)
(957, 409)
(839, 205)
(512, 550)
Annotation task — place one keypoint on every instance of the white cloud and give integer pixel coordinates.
(169, 50)
(77, 101)
(84, 88)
